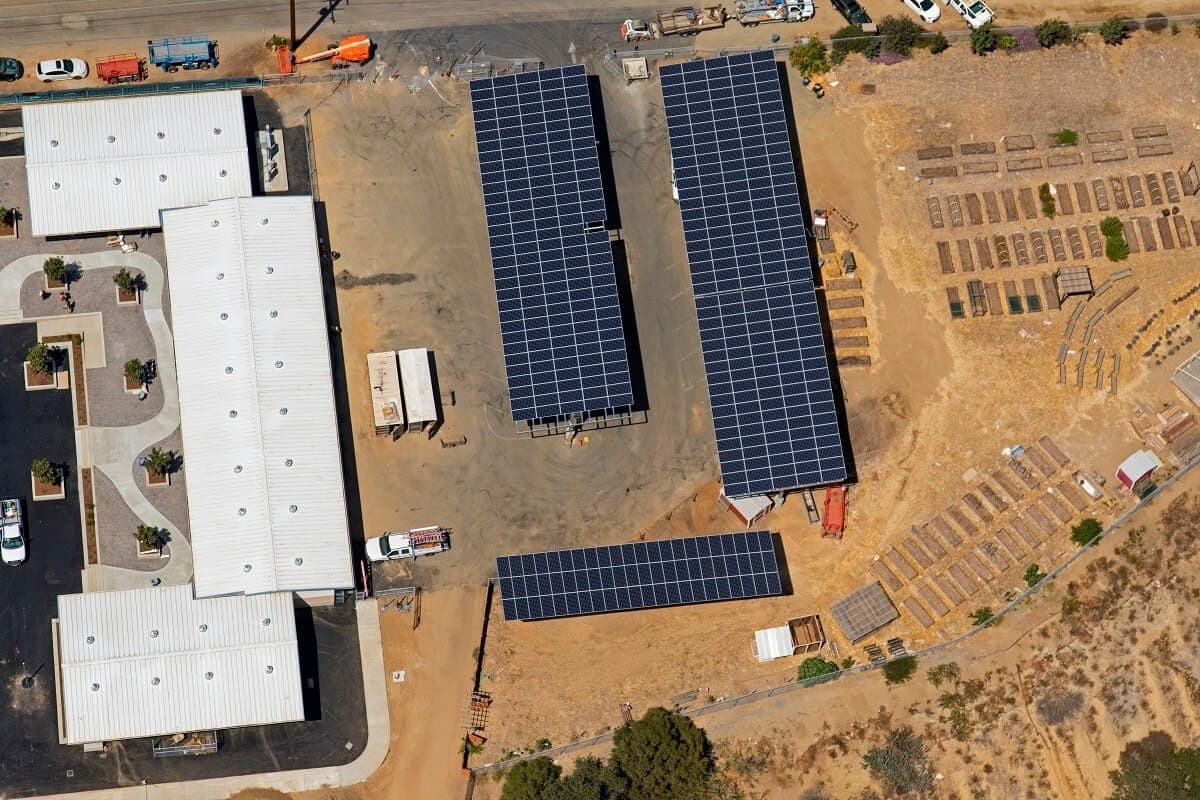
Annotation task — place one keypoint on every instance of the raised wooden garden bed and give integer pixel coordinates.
(47, 491)
(133, 386)
(38, 380)
(153, 551)
(130, 298)
(153, 479)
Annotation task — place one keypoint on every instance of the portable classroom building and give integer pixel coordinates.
(420, 405)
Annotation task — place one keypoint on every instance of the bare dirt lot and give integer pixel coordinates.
(928, 419)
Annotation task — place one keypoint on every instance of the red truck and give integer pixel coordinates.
(123, 68)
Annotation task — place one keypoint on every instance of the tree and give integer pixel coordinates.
(591, 779)
(41, 358)
(55, 269)
(902, 763)
(900, 670)
(1053, 31)
(809, 58)
(983, 40)
(1155, 769)
(1116, 248)
(942, 673)
(148, 536)
(1112, 30)
(982, 615)
(160, 462)
(1087, 530)
(814, 668)
(4, 212)
(46, 471)
(530, 780)
(1066, 137)
(1111, 226)
(1034, 575)
(126, 281)
(939, 43)
(1047, 198)
(852, 39)
(900, 34)
(663, 756)
(135, 370)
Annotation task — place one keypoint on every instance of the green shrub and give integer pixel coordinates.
(809, 58)
(41, 358)
(1086, 531)
(1047, 197)
(276, 42)
(1066, 137)
(851, 39)
(983, 40)
(160, 462)
(982, 615)
(900, 670)
(126, 281)
(1111, 226)
(147, 536)
(46, 471)
(942, 673)
(1112, 30)
(1034, 575)
(1053, 31)
(1116, 249)
(814, 668)
(1007, 42)
(135, 370)
(55, 269)
(1070, 605)
(939, 43)
(900, 34)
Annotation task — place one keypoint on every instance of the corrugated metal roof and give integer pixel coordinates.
(419, 402)
(110, 165)
(265, 492)
(772, 643)
(386, 399)
(155, 661)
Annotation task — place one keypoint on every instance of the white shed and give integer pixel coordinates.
(773, 643)
(420, 405)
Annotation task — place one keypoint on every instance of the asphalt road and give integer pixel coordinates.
(34, 22)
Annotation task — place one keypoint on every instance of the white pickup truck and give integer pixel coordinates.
(12, 537)
(408, 544)
(756, 12)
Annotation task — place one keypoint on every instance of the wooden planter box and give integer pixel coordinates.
(47, 491)
(8, 227)
(133, 386)
(157, 480)
(52, 285)
(128, 298)
(154, 551)
(38, 380)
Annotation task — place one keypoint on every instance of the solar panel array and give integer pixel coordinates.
(624, 577)
(769, 382)
(560, 317)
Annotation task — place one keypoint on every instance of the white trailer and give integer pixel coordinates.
(416, 378)
(387, 402)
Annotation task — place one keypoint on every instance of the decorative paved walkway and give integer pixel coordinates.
(114, 450)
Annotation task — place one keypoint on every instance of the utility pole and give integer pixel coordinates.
(292, 9)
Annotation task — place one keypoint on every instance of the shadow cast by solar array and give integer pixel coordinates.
(839, 396)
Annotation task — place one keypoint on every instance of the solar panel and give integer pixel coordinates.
(864, 611)
(768, 374)
(625, 577)
(560, 316)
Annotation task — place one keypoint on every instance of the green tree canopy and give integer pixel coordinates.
(591, 779)
(664, 756)
(814, 667)
(1112, 30)
(531, 780)
(1155, 769)
(809, 58)
(900, 34)
(1085, 531)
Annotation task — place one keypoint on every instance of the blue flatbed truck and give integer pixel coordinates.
(188, 52)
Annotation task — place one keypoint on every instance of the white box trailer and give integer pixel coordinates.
(416, 378)
(387, 401)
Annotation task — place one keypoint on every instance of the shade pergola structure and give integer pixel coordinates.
(801, 635)
(1072, 282)
(864, 611)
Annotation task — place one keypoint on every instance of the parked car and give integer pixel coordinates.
(975, 12)
(62, 69)
(408, 544)
(927, 10)
(853, 11)
(10, 69)
(12, 539)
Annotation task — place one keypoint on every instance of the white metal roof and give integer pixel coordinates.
(155, 661)
(260, 435)
(772, 643)
(112, 165)
(1137, 466)
(384, 374)
(419, 403)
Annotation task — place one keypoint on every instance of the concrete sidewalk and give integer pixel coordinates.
(378, 735)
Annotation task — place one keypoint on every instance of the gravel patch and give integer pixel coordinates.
(170, 500)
